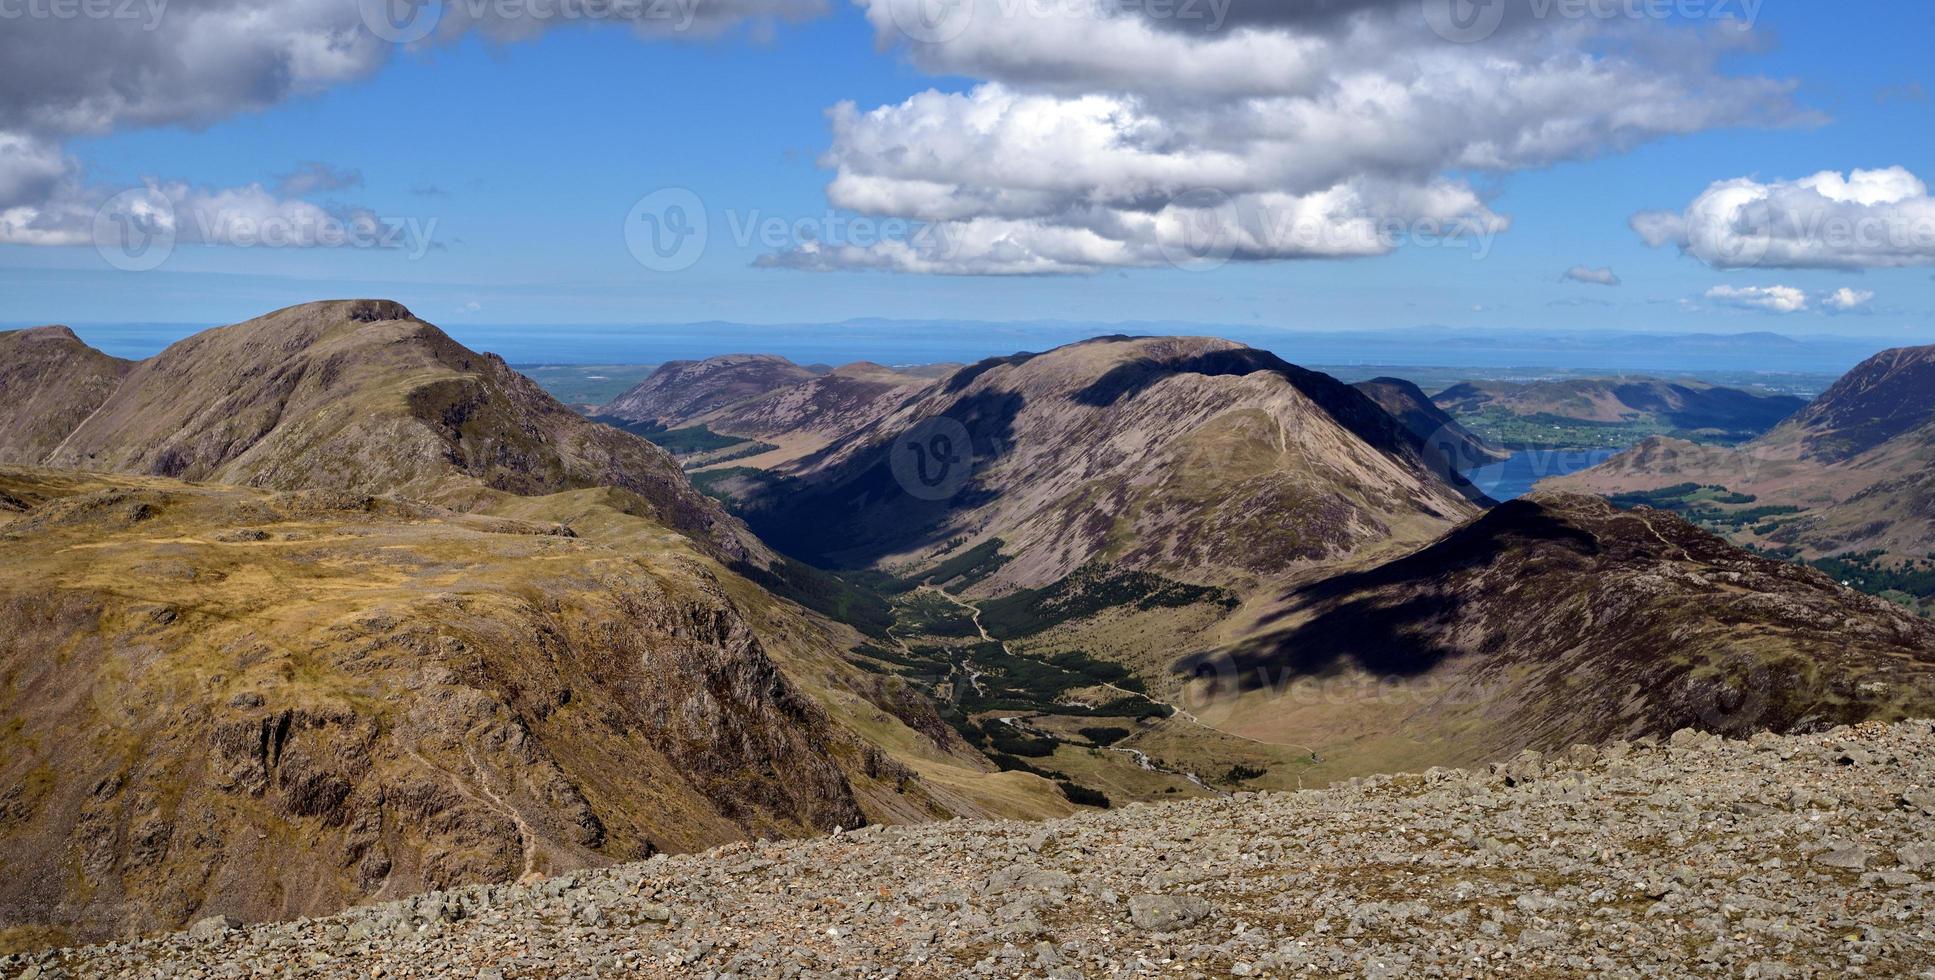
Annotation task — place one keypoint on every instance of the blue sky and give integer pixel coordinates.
(522, 160)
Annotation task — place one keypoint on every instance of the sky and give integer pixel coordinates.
(1731, 166)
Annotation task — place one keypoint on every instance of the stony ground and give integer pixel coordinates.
(1804, 856)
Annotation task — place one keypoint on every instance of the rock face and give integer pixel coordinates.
(1196, 458)
(1770, 857)
(229, 701)
(1855, 464)
(1449, 445)
(1686, 405)
(1558, 619)
(353, 395)
(50, 382)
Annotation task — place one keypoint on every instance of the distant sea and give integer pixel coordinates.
(931, 341)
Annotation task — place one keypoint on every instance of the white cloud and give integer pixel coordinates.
(1591, 276)
(1861, 220)
(1336, 132)
(194, 62)
(1845, 300)
(1769, 299)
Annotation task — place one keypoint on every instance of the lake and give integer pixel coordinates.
(1515, 477)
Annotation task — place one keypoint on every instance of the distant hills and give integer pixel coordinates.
(1848, 477)
(1603, 411)
(932, 340)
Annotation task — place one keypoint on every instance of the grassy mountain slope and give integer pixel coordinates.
(1559, 619)
(222, 699)
(1199, 459)
(50, 382)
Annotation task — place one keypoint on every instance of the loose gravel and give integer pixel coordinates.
(1772, 857)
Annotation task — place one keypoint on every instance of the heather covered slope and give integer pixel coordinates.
(1194, 458)
(271, 704)
(1558, 619)
(50, 382)
(359, 395)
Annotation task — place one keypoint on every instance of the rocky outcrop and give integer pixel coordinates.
(229, 701)
(1689, 855)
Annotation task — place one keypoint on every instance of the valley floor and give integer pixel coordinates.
(1779, 856)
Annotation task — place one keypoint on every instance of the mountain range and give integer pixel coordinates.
(325, 608)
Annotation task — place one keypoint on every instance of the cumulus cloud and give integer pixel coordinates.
(181, 213)
(1766, 299)
(1591, 276)
(1865, 219)
(194, 62)
(1845, 300)
(1337, 129)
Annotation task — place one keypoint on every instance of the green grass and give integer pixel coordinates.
(1712, 507)
(968, 567)
(825, 593)
(1908, 582)
(927, 614)
(1091, 589)
(689, 441)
